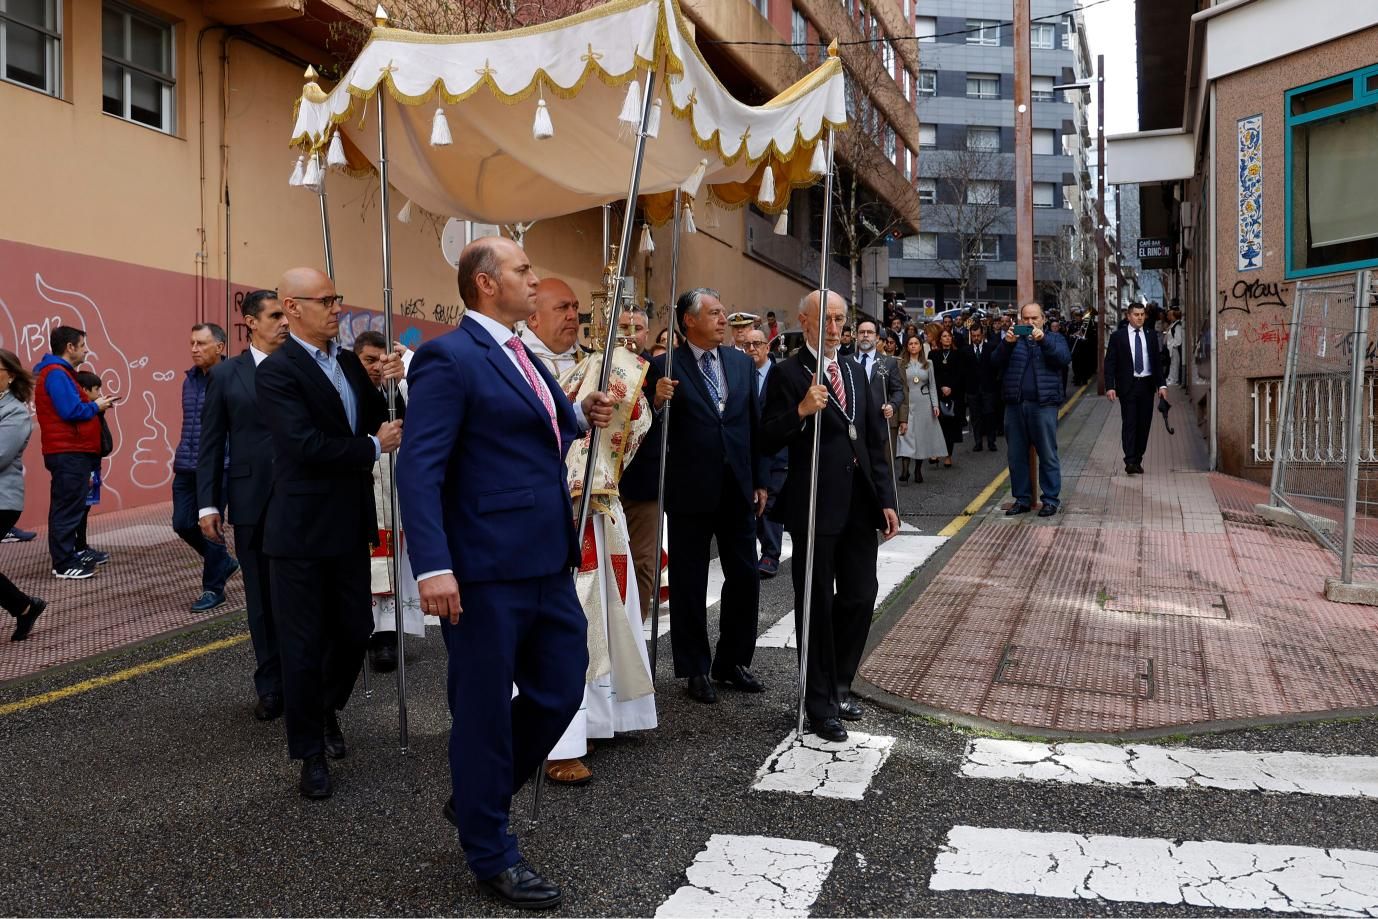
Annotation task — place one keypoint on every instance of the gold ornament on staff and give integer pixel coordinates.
(600, 305)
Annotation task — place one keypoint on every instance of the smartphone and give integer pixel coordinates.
(1023, 330)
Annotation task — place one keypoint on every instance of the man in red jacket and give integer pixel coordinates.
(69, 425)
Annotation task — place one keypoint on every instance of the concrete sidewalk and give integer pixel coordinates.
(1152, 604)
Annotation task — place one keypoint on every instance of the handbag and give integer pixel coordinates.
(947, 408)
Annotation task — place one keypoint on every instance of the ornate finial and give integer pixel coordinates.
(380, 17)
(832, 47)
(311, 73)
(312, 91)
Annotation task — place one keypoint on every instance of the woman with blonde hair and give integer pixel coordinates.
(921, 435)
(16, 424)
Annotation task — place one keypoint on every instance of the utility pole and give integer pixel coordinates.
(1100, 224)
(1119, 254)
(1023, 157)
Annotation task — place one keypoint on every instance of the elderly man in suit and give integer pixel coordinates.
(714, 488)
(856, 502)
(231, 413)
(328, 425)
(1134, 376)
(490, 533)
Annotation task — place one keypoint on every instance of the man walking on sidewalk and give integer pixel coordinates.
(1032, 361)
(1134, 376)
(207, 351)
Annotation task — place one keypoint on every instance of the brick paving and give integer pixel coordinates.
(145, 591)
(1150, 603)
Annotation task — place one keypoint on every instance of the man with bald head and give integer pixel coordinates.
(856, 501)
(552, 332)
(490, 531)
(328, 425)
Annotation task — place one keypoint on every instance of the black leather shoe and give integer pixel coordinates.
(23, 623)
(334, 738)
(850, 710)
(521, 887)
(1138, 468)
(1017, 510)
(268, 707)
(701, 690)
(315, 778)
(740, 678)
(448, 812)
(382, 654)
(1047, 510)
(978, 448)
(828, 729)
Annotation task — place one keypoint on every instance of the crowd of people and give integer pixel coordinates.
(510, 431)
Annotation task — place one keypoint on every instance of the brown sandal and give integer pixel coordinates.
(567, 772)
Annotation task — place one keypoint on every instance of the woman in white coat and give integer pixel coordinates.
(16, 424)
(921, 435)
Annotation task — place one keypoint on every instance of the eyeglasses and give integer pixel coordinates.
(755, 344)
(327, 302)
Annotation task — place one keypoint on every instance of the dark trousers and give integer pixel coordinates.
(324, 618)
(215, 557)
(691, 537)
(258, 601)
(532, 633)
(1136, 418)
(768, 531)
(14, 600)
(1028, 424)
(844, 599)
(71, 483)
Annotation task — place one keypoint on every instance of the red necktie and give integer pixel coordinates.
(529, 369)
(835, 378)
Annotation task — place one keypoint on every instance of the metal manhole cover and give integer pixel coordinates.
(1100, 672)
(1152, 601)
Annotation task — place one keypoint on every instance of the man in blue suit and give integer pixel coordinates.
(485, 505)
(714, 488)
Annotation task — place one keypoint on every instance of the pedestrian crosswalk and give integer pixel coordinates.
(751, 876)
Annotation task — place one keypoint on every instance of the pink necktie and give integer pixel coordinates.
(515, 343)
(835, 378)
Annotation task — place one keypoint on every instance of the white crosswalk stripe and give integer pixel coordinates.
(810, 765)
(752, 876)
(1172, 767)
(1288, 879)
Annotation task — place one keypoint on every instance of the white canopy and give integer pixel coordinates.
(489, 86)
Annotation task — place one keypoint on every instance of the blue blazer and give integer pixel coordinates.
(480, 479)
(704, 445)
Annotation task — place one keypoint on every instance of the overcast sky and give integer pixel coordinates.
(1110, 31)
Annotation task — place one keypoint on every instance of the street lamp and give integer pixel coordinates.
(1100, 210)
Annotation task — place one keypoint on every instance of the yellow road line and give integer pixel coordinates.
(955, 525)
(119, 676)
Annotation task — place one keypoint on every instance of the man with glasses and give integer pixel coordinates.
(328, 424)
(883, 373)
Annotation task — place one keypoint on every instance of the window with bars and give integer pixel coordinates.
(983, 32)
(983, 86)
(1042, 35)
(31, 44)
(137, 68)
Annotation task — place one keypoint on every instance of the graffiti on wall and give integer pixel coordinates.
(1245, 296)
(1251, 193)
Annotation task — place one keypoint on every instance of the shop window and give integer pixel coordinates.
(137, 73)
(1332, 157)
(31, 43)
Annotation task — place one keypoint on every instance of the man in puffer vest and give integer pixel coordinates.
(1032, 361)
(207, 349)
(69, 426)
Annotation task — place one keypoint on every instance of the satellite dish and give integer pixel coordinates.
(453, 239)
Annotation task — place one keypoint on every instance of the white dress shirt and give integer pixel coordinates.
(1143, 344)
(867, 360)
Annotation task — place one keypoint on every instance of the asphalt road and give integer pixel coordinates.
(160, 794)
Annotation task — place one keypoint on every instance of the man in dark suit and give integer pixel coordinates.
(328, 425)
(714, 487)
(1134, 376)
(231, 413)
(984, 388)
(883, 372)
(485, 504)
(856, 498)
(769, 532)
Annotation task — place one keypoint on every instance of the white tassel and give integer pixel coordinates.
(312, 177)
(767, 193)
(686, 220)
(631, 106)
(710, 215)
(298, 173)
(336, 156)
(404, 215)
(440, 129)
(648, 245)
(690, 186)
(653, 123)
(782, 223)
(542, 128)
(819, 164)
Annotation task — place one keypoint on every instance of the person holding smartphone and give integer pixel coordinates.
(1032, 361)
(70, 431)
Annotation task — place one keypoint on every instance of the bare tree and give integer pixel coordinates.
(1074, 268)
(968, 209)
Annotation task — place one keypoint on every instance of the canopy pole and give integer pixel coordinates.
(664, 434)
(325, 232)
(607, 234)
(615, 309)
(817, 436)
(385, 220)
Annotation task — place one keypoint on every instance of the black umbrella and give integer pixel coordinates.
(1164, 407)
